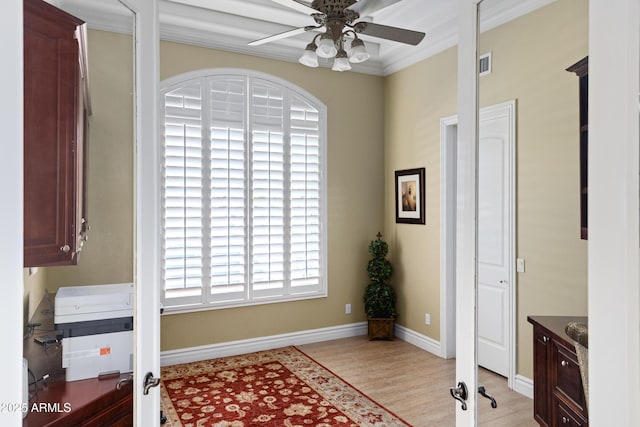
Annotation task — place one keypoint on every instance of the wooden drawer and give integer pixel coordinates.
(119, 414)
(567, 378)
(565, 417)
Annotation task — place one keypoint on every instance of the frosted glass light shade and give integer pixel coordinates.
(341, 63)
(309, 57)
(326, 48)
(358, 52)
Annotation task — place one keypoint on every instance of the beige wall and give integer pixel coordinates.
(530, 55)
(355, 199)
(415, 100)
(539, 48)
(35, 283)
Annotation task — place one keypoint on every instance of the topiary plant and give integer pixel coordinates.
(379, 296)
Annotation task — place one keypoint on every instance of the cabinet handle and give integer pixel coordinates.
(565, 420)
(564, 363)
(65, 249)
(545, 339)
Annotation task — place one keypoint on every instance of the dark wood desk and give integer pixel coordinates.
(56, 402)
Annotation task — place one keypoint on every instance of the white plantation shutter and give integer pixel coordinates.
(268, 188)
(305, 209)
(228, 105)
(183, 197)
(243, 195)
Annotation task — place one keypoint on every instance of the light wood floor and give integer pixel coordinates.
(414, 384)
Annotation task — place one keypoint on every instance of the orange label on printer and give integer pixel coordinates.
(105, 351)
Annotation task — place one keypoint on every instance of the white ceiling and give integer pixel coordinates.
(231, 24)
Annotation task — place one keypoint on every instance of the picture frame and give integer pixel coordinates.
(410, 204)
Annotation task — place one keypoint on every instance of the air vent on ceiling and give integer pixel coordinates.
(484, 66)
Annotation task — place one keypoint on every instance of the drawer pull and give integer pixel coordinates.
(566, 420)
(65, 249)
(564, 363)
(545, 339)
(124, 381)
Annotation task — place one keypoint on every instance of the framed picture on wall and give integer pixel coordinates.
(410, 196)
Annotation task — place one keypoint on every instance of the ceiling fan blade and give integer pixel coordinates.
(367, 7)
(297, 5)
(390, 33)
(279, 36)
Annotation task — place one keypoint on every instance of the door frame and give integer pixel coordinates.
(11, 216)
(614, 213)
(448, 214)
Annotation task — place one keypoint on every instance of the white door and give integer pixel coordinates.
(147, 306)
(495, 247)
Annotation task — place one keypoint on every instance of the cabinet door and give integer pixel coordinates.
(50, 135)
(541, 391)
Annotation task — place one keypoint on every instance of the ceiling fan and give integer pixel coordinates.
(337, 18)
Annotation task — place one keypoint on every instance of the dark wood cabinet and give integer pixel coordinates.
(558, 395)
(55, 124)
(581, 69)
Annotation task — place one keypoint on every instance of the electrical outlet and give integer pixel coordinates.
(347, 309)
(427, 318)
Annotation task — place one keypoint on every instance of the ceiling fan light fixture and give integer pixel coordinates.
(309, 56)
(326, 47)
(341, 62)
(358, 51)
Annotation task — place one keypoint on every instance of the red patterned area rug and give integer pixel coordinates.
(282, 387)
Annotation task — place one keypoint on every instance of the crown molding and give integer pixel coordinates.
(232, 27)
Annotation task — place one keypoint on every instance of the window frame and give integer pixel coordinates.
(289, 88)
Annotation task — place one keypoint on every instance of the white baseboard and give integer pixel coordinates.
(419, 340)
(233, 348)
(524, 386)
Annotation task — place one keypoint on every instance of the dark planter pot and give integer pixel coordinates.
(380, 328)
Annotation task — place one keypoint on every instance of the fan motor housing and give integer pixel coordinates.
(336, 9)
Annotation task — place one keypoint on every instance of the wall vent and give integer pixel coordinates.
(484, 66)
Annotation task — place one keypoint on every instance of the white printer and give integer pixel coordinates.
(97, 327)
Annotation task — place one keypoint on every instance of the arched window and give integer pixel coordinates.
(243, 191)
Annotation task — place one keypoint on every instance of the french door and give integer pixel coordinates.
(466, 383)
(147, 306)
